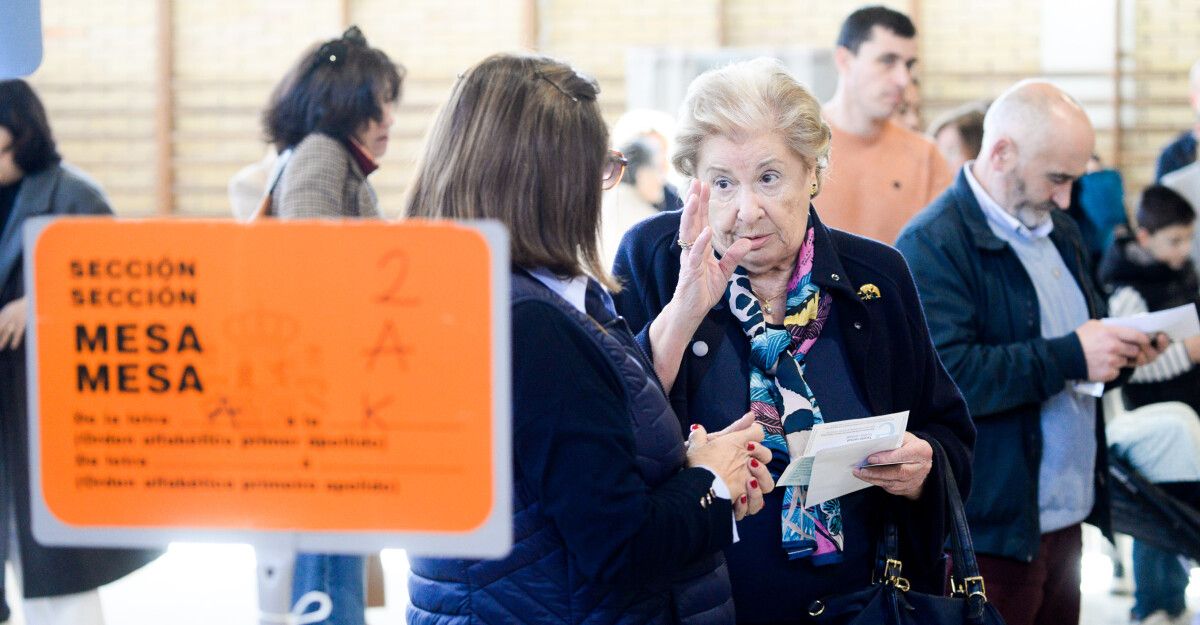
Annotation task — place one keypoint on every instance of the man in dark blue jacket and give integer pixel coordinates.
(1012, 309)
(1182, 151)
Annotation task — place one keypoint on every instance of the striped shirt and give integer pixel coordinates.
(1173, 362)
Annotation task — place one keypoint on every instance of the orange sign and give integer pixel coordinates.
(281, 376)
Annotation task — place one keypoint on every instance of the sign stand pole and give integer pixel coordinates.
(275, 567)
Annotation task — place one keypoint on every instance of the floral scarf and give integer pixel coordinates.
(782, 401)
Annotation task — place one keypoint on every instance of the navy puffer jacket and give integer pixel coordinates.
(541, 581)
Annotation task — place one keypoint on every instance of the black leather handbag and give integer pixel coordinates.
(890, 601)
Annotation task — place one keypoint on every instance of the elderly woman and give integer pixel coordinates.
(815, 325)
(615, 522)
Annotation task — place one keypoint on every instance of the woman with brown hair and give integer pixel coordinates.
(616, 519)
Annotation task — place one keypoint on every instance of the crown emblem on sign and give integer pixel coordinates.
(262, 327)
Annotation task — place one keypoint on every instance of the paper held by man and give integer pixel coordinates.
(833, 450)
(1177, 323)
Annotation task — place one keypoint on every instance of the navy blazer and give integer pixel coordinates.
(893, 360)
(984, 317)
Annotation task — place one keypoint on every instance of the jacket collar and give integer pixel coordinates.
(828, 271)
(976, 222)
(365, 161)
(34, 198)
(981, 234)
(972, 215)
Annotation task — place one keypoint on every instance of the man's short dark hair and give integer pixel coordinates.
(334, 89)
(1161, 207)
(857, 27)
(22, 114)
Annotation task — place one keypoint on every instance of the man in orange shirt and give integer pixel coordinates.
(880, 174)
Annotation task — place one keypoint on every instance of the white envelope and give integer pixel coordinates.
(832, 443)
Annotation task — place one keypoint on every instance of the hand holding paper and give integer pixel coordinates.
(1108, 348)
(835, 453)
(900, 472)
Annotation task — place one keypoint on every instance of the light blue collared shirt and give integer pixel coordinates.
(1066, 481)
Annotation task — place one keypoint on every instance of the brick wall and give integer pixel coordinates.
(99, 74)
(1166, 41)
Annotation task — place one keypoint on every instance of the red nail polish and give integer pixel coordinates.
(754, 463)
(743, 499)
(749, 446)
(753, 483)
(695, 427)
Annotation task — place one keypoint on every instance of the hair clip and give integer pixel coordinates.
(556, 86)
(331, 52)
(334, 51)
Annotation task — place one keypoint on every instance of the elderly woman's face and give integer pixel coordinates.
(760, 192)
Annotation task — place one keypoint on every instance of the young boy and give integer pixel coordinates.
(1148, 271)
(1152, 271)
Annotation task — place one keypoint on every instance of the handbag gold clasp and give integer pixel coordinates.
(891, 575)
(969, 587)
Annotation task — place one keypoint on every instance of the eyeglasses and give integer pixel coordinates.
(614, 168)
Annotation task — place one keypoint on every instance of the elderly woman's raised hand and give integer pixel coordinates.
(702, 277)
(906, 479)
(737, 457)
(702, 282)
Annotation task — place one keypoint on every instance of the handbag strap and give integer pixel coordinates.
(965, 581)
(265, 204)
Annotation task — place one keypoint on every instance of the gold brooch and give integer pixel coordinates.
(868, 292)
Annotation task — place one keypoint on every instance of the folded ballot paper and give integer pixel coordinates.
(833, 450)
(1177, 323)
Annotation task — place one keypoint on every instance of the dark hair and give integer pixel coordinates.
(22, 114)
(857, 27)
(1161, 207)
(967, 121)
(521, 140)
(639, 154)
(335, 88)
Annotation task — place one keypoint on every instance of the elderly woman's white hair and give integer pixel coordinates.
(750, 97)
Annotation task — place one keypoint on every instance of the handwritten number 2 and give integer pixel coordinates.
(399, 260)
